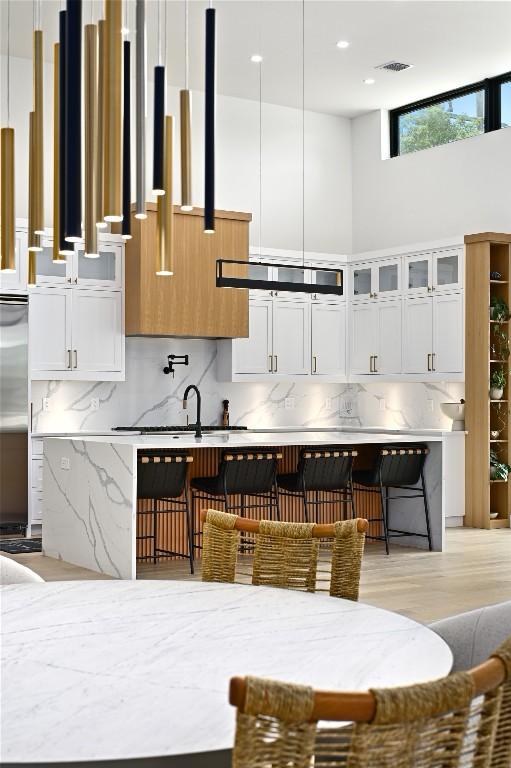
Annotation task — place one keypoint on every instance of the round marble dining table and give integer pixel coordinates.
(107, 671)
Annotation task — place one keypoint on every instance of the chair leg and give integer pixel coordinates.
(277, 501)
(352, 499)
(384, 519)
(189, 529)
(155, 529)
(305, 506)
(426, 510)
(316, 504)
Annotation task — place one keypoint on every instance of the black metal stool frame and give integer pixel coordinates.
(383, 491)
(183, 505)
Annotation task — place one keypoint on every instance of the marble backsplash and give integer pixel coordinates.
(149, 397)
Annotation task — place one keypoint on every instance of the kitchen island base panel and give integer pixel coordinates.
(90, 500)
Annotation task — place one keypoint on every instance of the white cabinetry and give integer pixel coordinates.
(253, 355)
(328, 339)
(434, 271)
(379, 279)
(76, 315)
(16, 281)
(433, 334)
(376, 338)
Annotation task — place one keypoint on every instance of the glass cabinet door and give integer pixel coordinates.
(327, 277)
(49, 271)
(290, 275)
(104, 270)
(388, 277)
(418, 273)
(447, 269)
(362, 282)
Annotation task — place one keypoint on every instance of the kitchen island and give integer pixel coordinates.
(90, 486)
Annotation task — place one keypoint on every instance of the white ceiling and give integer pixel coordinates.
(450, 43)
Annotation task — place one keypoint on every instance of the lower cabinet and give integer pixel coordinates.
(328, 339)
(433, 334)
(376, 338)
(254, 353)
(76, 334)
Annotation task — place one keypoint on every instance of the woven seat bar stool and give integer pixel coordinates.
(326, 469)
(461, 721)
(397, 467)
(161, 477)
(286, 555)
(241, 473)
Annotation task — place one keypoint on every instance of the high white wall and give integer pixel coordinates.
(327, 157)
(441, 192)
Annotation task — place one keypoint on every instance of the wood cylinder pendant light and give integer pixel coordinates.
(100, 222)
(140, 81)
(73, 121)
(126, 145)
(112, 182)
(91, 139)
(7, 220)
(209, 125)
(33, 239)
(38, 134)
(58, 257)
(185, 113)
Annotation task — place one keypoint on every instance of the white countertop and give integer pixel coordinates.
(103, 670)
(248, 439)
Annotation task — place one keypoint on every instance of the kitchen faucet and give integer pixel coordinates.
(198, 426)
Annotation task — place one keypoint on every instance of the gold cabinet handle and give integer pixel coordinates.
(375, 369)
(429, 359)
(270, 363)
(276, 364)
(429, 289)
(433, 361)
(69, 358)
(315, 364)
(69, 280)
(371, 364)
(76, 358)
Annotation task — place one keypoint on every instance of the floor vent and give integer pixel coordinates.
(395, 66)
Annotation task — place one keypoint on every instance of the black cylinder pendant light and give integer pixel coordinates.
(158, 135)
(73, 121)
(126, 146)
(64, 248)
(209, 125)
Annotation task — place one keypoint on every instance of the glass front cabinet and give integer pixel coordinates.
(436, 271)
(380, 279)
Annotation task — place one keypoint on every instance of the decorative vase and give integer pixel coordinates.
(494, 434)
(496, 393)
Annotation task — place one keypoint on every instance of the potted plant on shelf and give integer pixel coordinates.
(499, 470)
(497, 384)
(499, 310)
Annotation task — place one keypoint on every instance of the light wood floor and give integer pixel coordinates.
(474, 570)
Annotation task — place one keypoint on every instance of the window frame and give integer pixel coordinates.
(491, 88)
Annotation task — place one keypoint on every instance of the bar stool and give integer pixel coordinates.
(328, 469)
(402, 467)
(243, 473)
(161, 477)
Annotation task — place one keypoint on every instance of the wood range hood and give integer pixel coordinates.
(188, 303)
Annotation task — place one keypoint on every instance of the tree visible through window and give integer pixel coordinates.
(442, 123)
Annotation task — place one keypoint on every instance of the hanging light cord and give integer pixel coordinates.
(186, 45)
(260, 136)
(8, 63)
(159, 33)
(303, 133)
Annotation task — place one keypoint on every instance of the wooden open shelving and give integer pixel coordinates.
(485, 253)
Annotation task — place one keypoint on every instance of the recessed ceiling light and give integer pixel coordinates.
(343, 44)
(256, 58)
(369, 81)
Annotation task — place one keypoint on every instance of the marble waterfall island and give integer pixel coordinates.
(90, 488)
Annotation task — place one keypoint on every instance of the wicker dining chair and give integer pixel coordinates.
(288, 555)
(461, 721)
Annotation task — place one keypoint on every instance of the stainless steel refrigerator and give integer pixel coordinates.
(14, 411)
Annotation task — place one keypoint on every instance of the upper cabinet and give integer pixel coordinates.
(434, 271)
(104, 271)
(376, 280)
(188, 303)
(16, 281)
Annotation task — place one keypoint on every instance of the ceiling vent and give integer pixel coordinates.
(394, 66)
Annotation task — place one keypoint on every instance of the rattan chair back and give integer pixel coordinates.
(461, 721)
(302, 556)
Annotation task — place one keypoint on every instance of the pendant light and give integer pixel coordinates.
(58, 257)
(141, 107)
(33, 242)
(100, 222)
(73, 121)
(126, 142)
(91, 139)
(65, 248)
(209, 124)
(35, 177)
(224, 279)
(165, 267)
(7, 218)
(159, 117)
(113, 112)
(185, 109)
